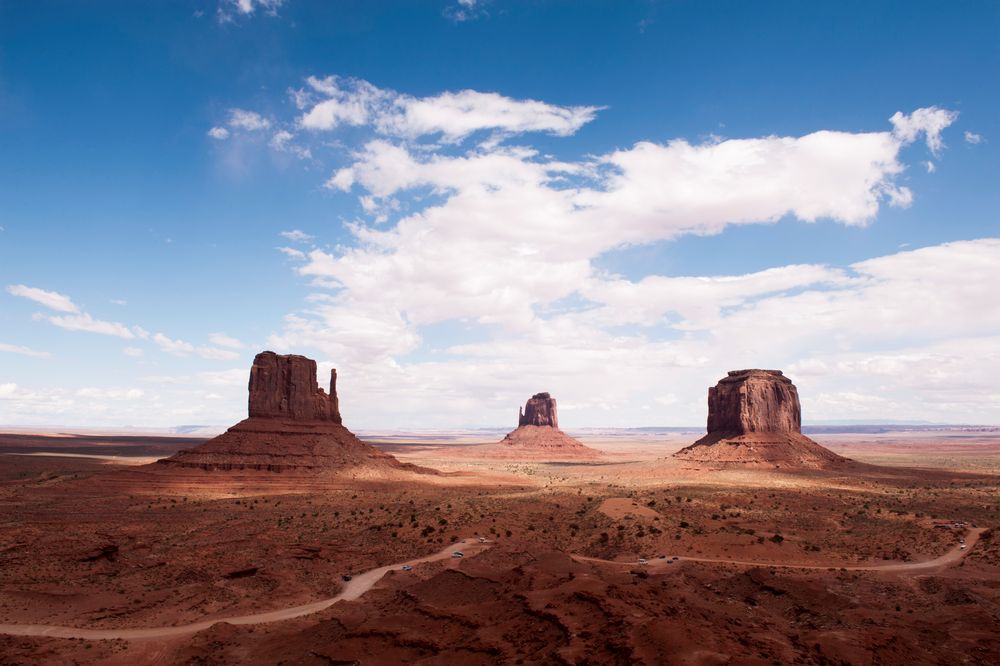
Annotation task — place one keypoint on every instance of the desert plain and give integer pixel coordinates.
(858, 566)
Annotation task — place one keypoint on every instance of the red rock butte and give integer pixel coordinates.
(538, 433)
(293, 426)
(755, 420)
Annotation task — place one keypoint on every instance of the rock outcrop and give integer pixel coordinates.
(755, 420)
(540, 410)
(538, 435)
(285, 387)
(293, 426)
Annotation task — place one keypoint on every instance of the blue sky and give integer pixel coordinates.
(613, 201)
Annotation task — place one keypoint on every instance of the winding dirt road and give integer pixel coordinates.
(353, 589)
(363, 582)
(949, 558)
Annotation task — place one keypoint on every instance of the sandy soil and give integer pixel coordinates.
(864, 566)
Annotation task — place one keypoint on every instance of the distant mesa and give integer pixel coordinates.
(755, 420)
(538, 434)
(294, 426)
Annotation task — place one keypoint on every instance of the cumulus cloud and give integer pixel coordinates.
(250, 121)
(512, 231)
(219, 133)
(929, 121)
(50, 299)
(915, 323)
(494, 248)
(973, 138)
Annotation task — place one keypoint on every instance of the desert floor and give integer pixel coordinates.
(772, 566)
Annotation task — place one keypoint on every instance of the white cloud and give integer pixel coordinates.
(134, 352)
(24, 351)
(464, 10)
(250, 121)
(502, 255)
(296, 236)
(223, 340)
(281, 141)
(182, 348)
(172, 346)
(110, 393)
(452, 115)
(292, 253)
(929, 121)
(459, 114)
(230, 10)
(973, 138)
(250, 6)
(84, 322)
(219, 133)
(462, 257)
(50, 299)
(930, 166)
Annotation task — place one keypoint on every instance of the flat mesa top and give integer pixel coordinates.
(740, 375)
(544, 395)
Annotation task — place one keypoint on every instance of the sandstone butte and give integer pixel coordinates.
(293, 426)
(755, 421)
(538, 433)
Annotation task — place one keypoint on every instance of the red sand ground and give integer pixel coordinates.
(86, 543)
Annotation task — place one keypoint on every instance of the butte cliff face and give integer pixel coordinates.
(538, 435)
(755, 420)
(293, 426)
(285, 387)
(540, 410)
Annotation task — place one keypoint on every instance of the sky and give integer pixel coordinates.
(459, 203)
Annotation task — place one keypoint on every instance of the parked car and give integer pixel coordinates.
(643, 560)
(346, 577)
(407, 567)
(458, 553)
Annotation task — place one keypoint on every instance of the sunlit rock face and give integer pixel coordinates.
(294, 426)
(754, 401)
(755, 421)
(285, 387)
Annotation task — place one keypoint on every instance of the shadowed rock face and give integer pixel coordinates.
(293, 426)
(539, 411)
(749, 401)
(285, 387)
(754, 420)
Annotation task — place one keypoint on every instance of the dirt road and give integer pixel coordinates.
(353, 589)
(949, 558)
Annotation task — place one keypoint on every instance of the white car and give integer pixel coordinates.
(643, 560)
(407, 567)
(458, 553)
(962, 547)
(482, 539)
